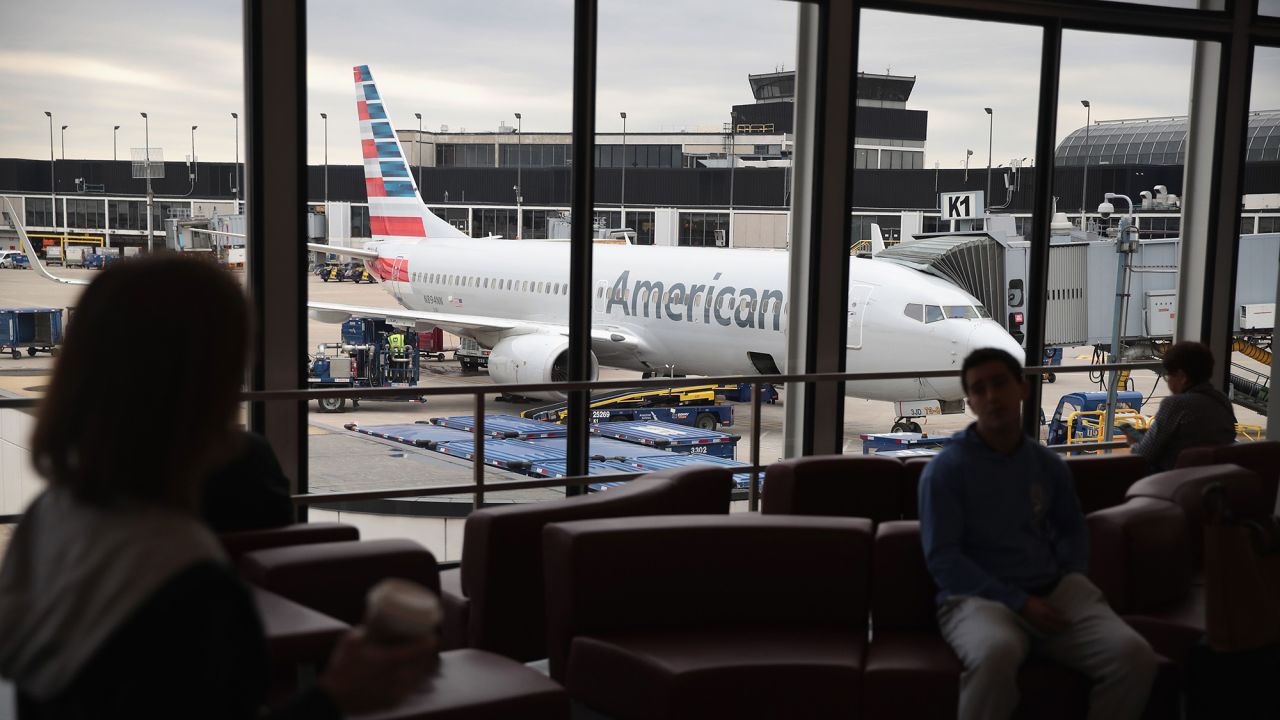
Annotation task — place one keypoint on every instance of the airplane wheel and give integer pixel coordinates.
(901, 427)
(331, 405)
(706, 421)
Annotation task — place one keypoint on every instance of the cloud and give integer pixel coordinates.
(669, 64)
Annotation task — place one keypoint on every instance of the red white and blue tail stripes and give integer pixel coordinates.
(396, 213)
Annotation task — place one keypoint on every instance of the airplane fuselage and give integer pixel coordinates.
(698, 311)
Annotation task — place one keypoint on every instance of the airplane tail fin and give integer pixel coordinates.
(396, 211)
(877, 240)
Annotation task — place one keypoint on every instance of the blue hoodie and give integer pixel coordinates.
(996, 526)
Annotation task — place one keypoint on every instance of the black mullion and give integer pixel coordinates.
(1038, 270)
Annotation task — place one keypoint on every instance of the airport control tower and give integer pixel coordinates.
(889, 135)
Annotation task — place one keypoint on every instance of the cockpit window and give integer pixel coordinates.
(983, 313)
(932, 313)
(961, 312)
(915, 311)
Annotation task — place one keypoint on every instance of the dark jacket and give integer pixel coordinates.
(1199, 417)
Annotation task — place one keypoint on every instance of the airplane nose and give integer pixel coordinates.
(989, 334)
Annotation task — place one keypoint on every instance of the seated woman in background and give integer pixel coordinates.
(115, 598)
(1195, 415)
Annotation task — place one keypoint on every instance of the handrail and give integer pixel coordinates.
(516, 389)
(478, 487)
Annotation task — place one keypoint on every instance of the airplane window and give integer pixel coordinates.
(548, 288)
(697, 299)
(644, 298)
(556, 289)
(599, 293)
(486, 282)
(982, 312)
(932, 313)
(564, 289)
(524, 286)
(961, 312)
(730, 302)
(915, 311)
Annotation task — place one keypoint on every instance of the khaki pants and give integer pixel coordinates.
(992, 641)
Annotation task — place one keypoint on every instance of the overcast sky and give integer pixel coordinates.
(669, 64)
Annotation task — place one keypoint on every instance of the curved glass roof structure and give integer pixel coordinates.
(1158, 141)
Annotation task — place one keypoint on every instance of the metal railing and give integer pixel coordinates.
(477, 488)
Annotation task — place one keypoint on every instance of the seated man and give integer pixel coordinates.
(1007, 545)
(1195, 415)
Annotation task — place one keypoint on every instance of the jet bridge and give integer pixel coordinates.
(1082, 281)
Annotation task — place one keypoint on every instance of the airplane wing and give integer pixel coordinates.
(350, 252)
(468, 325)
(31, 251)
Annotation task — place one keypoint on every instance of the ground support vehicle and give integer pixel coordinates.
(1079, 416)
(13, 260)
(880, 443)
(470, 355)
(37, 329)
(693, 405)
(331, 270)
(372, 354)
(742, 393)
(431, 344)
(357, 273)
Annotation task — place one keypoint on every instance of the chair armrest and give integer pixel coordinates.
(241, 542)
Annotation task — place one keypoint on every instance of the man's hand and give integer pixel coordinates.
(1043, 616)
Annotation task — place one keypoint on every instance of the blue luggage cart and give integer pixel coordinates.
(514, 455)
(880, 442)
(559, 469)
(37, 329)
(600, 448)
(505, 426)
(669, 436)
(678, 460)
(421, 435)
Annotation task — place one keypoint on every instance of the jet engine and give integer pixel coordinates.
(534, 358)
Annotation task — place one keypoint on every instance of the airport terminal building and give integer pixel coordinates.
(675, 188)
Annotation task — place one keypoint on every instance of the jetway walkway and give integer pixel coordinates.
(993, 266)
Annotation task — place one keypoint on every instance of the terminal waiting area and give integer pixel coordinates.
(651, 600)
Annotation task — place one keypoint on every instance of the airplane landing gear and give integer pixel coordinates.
(907, 425)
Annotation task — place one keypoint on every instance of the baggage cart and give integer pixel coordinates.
(670, 436)
(35, 329)
(505, 426)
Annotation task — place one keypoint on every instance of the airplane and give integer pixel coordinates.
(696, 311)
(658, 310)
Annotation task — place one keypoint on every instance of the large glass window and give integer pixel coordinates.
(464, 155)
(1250, 376)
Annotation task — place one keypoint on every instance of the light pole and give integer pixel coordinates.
(325, 118)
(622, 197)
(146, 140)
(967, 155)
(419, 143)
(1124, 248)
(236, 117)
(63, 139)
(53, 192)
(114, 132)
(195, 166)
(1084, 183)
(519, 164)
(991, 121)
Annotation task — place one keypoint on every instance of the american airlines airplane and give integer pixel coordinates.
(693, 311)
(699, 311)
